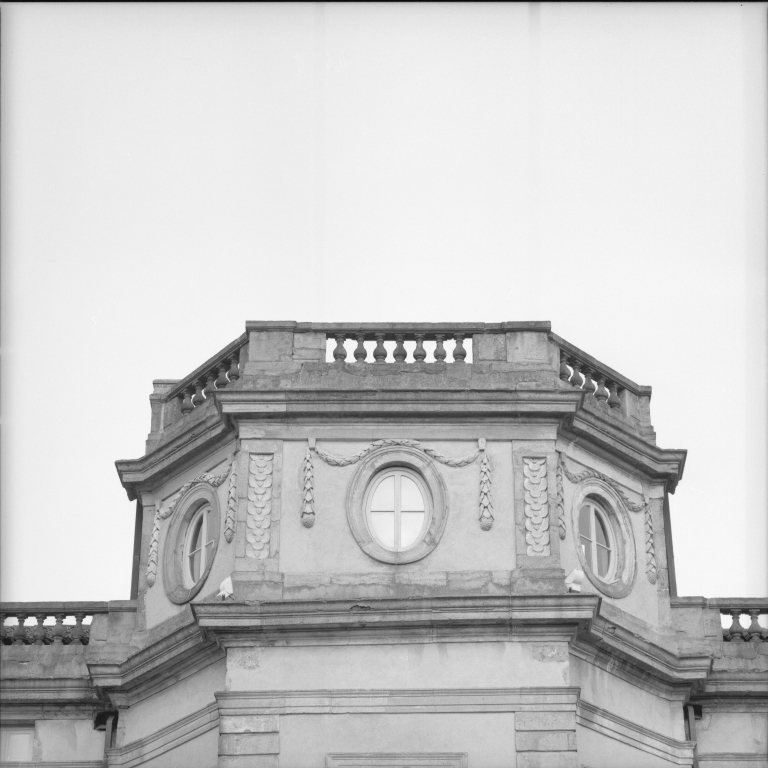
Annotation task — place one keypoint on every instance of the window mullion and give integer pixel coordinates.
(593, 532)
(397, 511)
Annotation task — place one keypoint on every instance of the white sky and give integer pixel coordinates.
(171, 171)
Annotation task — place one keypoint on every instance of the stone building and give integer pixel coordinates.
(398, 558)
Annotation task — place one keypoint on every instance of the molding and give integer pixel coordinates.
(50, 691)
(394, 701)
(138, 752)
(536, 506)
(396, 760)
(149, 471)
(54, 764)
(736, 757)
(258, 518)
(162, 664)
(606, 723)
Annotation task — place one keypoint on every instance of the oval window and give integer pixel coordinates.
(396, 509)
(595, 539)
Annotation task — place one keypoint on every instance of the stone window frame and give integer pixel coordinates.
(174, 571)
(616, 516)
(389, 457)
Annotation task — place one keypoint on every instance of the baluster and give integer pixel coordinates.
(755, 630)
(222, 379)
(186, 401)
(399, 353)
(614, 400)
(565, 372)
(198, 398)
(58, 631)
(20, 634)
(577, 379)
(360, 351)
(77, 630)
(419, 354)
(735, 630)
(440, 353)
(602, 393)
(380, 351)
(39, 631)
(589, 385)
(340, 353)
(209, 385)
(234, 370)
(459, 353)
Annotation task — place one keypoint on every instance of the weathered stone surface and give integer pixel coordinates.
(545, 741)
(547, 760)
(249, 744)
(545, 721)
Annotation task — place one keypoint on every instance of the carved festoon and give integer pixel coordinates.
(486, 505)
(588, 473)
(308, 491)
(229, 525)
(650, 547)
(536, 506)
(259, 510)
(560, 499)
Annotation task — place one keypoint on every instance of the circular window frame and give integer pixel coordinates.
(436, 497)
(174, 575)
(624, 565)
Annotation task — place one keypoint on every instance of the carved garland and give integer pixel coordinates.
(163, 514)
(229, 525)
(560, 499)
(645, 507)
(334, 460)
(536, 507)
(258, 517)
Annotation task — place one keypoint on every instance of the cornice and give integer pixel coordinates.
(331, 621)
(50, 691)
(629, 647)
(180, 653)
(601, 436)
(144, 473)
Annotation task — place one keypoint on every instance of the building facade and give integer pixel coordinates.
(397, 559)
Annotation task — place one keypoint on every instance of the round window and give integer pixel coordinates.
(396, 509)
(595, 539)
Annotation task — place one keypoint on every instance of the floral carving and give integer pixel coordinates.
(163, 514)
(650, 547)
(259, 510)
(486, 507)
(536, 506)
(229, 524)
(560, 499)
(587, 473)
(308, 491)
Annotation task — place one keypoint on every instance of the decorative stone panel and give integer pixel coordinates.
(536, 506)
(259, 508)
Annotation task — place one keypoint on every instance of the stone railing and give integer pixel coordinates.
(387, 342)
(43, 623)
(583, 371)
(751, 609)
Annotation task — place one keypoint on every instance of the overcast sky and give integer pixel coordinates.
(170, 171)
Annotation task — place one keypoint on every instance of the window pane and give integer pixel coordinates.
(585, 528)
(194, 539)
(410, 495)
(383, 525)
(194, 565)
(586, 549)
(410, 527)
(603, 561)
(384, 497)
(600, 532)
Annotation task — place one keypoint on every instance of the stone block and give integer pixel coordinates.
(528, 349)
(270, 346)
(309, 341)
(487, 347)
(547, 760)
(248, 761)
(545, 721)
(545, 741)
(249, 724)
(249, 744)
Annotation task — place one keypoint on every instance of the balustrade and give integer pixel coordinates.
(734, 630)
(582, 374)
(395, 347)
(36, 625)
